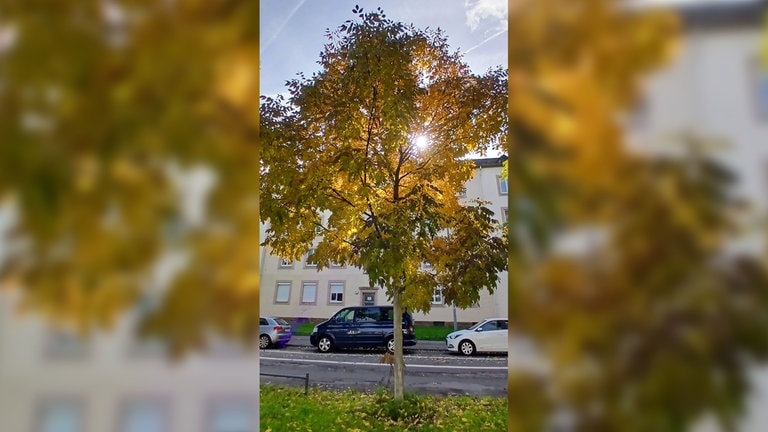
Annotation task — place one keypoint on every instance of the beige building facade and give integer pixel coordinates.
(716, 89)
(50, 381)
(297, 291)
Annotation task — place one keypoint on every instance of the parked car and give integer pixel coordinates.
(274, 331)
(489, 335)
(361, 327)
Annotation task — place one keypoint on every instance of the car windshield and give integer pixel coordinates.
(346, 315)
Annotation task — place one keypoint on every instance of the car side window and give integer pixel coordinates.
(490, 325)
(387, 315)
(263, 321)
(367, 314)
(503, 325)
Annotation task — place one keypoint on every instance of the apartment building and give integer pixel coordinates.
(716, 89)
(54, 381)
(296, 290)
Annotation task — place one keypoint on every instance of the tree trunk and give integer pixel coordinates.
(399, 361)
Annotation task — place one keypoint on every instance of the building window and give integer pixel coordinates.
(762, 95)
(336, 290)
(310, 259)
(502, 184)
(639, 114)
(308, 292)
(337, 265)
(144, 415)
(61, 415)
(462, 193)
(760, 80)
(286, 263)
(63, 344)
(283, 292)
(437, 296)
(148, 346)
(220, 347)
(173, 230)
(504, 214)
(232, 415)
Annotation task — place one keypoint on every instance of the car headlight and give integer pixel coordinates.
(314, 330)
(453, 336)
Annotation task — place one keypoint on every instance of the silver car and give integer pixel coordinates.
(274, 331)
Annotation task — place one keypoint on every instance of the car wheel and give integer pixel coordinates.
(466, 347)
(391, 345)
(264, 342)
(325, 344)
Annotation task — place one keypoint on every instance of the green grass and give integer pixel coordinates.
(289, 410)
(431, 333)
(303, 329)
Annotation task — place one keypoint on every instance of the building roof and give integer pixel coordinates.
(490, 162)
(712, 15)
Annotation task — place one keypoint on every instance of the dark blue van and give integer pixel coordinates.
(361, 327)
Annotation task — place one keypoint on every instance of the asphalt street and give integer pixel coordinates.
(430, 368)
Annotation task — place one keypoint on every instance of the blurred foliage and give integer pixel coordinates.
(574, 68)
(342, 170)
(656, 322)
(657, 325)
(529, 407)
(100, 101)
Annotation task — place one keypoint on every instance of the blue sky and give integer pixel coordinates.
(293, 31)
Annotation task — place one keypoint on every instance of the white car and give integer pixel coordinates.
(489, 335)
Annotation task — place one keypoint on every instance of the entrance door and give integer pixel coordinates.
(368, 298)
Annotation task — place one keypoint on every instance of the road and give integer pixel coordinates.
(429, 369)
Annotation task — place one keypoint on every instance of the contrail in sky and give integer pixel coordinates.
(493, 36)
(282, 26)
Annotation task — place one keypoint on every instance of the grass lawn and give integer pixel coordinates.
(422, 332)
(289, 410)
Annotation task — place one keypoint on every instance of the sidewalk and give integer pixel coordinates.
(420, 344)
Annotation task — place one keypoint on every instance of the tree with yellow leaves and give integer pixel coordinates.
(342, 165)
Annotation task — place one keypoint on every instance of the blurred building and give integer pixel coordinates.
(53, 381)
(297, 291)
(716, 90)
